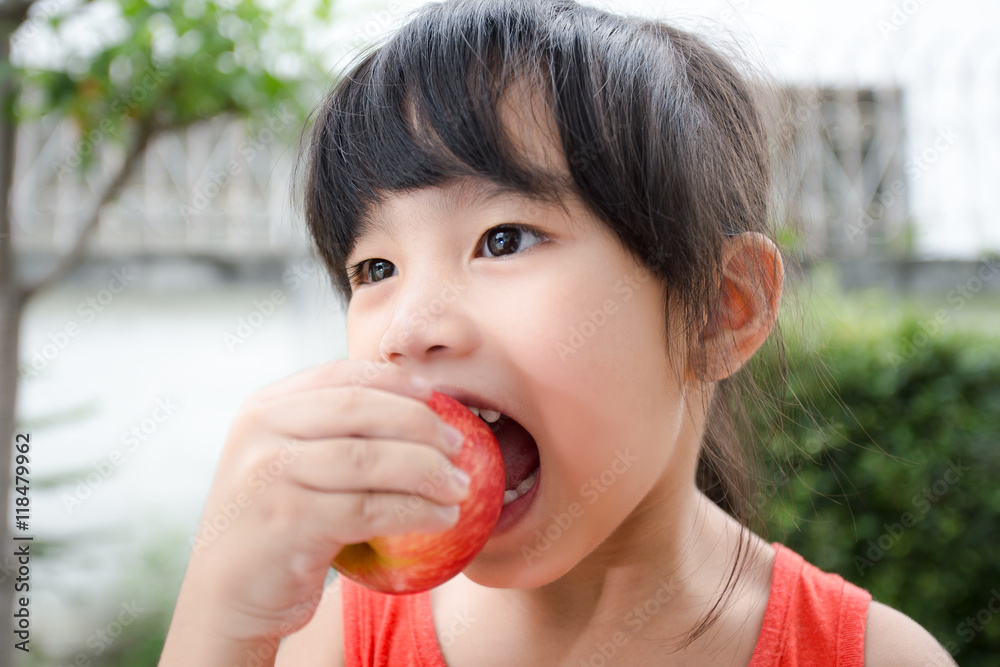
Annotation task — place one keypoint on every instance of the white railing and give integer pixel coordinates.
(212, 189)
(842, 188)
(219, 190)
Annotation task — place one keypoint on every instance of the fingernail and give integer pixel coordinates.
(460, 479)
(453, 437)
(448, 512)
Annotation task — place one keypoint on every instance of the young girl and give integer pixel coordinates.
(556, 214)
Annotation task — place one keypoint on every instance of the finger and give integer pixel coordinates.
(350, 518)
(332, 412)
(385, 466)
(353, 372)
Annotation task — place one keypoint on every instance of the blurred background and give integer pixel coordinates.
(147, 154)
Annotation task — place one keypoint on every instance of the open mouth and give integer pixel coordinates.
(519, 450)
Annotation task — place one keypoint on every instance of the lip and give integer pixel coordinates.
(512, 514)
(472, 399)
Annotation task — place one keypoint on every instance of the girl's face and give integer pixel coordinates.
(556, 324)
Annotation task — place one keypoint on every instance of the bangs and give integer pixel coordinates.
(645, 125)
(428, 108)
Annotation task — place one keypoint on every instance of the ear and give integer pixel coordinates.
(743, 312)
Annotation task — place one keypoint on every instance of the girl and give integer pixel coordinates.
(556, 214)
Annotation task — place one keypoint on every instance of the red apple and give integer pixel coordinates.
(417, 562)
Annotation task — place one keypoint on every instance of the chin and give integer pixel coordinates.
(510, 571)
(516, 567)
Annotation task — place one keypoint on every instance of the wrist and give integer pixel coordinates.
(205, 632)
(194, 647)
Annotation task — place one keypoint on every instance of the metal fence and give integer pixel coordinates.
(216, 188)
(223, 190)
(840, 190)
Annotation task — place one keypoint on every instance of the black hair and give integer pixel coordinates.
(664, 139)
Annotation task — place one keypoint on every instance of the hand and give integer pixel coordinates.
(321, 459)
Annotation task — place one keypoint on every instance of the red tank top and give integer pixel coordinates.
(813, 618)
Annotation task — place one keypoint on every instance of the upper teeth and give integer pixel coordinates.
(489, 415)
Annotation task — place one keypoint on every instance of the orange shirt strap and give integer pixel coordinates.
(813, 618)
(388, 630)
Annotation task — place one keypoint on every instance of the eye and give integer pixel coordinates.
(508, 239)
(370, 271)
(498, 241)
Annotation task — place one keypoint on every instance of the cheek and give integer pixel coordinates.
(362, 336)
(603, 338)
(354, 335)
(598, 362)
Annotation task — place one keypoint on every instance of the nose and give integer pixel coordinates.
(429, 320)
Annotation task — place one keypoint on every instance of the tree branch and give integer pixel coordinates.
(70, 260)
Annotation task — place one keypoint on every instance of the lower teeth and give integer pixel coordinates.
(511, 495)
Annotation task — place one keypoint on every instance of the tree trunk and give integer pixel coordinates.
(14, 296)
(11, 303)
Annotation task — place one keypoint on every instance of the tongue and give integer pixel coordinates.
(520, 453)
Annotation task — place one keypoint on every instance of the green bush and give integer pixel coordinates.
(886, 468)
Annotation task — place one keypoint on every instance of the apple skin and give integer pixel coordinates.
(417, 562)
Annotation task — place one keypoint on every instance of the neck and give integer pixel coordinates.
(660, 568)
(662, 587)
(672, 560)
(660, 572)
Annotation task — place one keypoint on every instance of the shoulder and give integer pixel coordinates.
(321, 640)
(893, 639)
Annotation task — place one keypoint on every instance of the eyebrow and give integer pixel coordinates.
(468, 193)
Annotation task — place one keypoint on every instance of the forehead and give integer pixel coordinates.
(465, 194)
(531, 128)
(532, 138)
